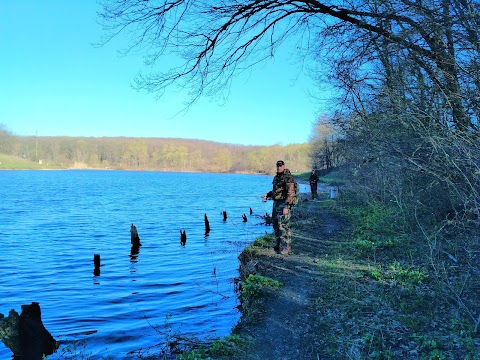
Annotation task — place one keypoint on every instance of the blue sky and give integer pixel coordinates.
(53, 82)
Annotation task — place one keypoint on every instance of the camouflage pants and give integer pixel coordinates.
(281, 223)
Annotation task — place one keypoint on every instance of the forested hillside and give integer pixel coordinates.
(164, 154)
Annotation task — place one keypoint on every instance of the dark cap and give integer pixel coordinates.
(280, 163)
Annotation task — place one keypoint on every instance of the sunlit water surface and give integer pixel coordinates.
(53, 222)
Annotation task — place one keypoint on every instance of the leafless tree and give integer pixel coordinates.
(324, 151)
(218, 39)
(5, 139)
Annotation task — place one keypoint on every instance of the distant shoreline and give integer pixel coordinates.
(145, 170)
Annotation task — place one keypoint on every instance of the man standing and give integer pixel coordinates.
(313, 184)
(283, 193)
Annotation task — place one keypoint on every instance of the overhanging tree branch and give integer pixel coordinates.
(218, 39)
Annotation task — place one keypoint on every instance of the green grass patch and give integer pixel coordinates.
(407, 275)
(221, 347)
(198, 354)
(376, 227)
(9, 162)
(254, 285)
(225, 346)
(265, 241)
(251, 250)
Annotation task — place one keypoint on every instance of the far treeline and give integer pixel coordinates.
(165, 154)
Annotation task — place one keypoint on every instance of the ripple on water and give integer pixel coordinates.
(52, 223)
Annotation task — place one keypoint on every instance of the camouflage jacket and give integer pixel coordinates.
(283, 187)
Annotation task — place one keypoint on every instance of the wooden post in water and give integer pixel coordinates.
(96, 263)
(134, 238)
(183, 237)
(207, 225)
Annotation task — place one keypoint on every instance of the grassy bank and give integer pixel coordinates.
(8, 162)
(362, 283)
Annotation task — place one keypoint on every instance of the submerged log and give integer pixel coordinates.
(134, 251)
(25, 335)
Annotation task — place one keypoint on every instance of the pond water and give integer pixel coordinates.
(53, 222)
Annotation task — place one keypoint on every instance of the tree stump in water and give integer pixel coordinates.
(268, 219)
(183, 237)
(207, 225)
(96, 264)
(25, 335)
(134, 238)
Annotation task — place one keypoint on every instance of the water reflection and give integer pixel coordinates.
(45, 215)
(134, 251)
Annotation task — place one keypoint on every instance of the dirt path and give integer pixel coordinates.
(342, 301)
(281, 325)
